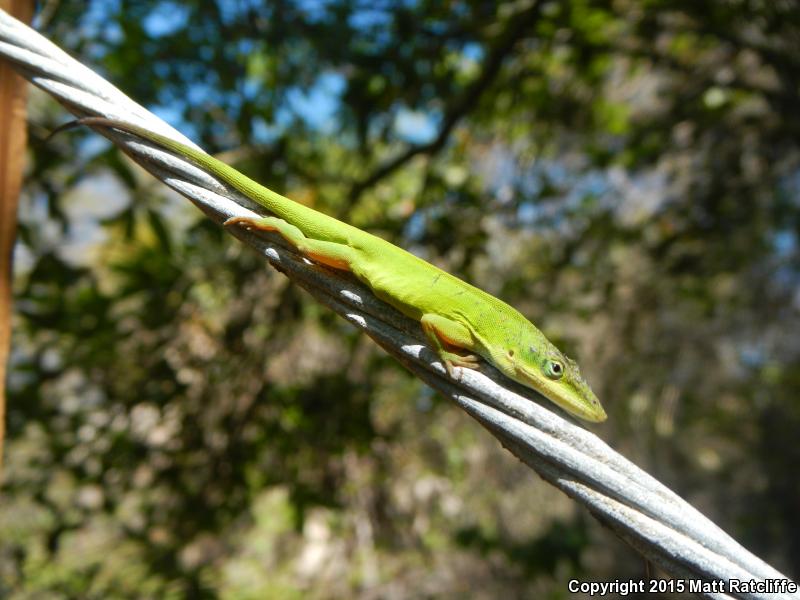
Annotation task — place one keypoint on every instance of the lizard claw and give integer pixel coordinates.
(470, 361)
(247, 222)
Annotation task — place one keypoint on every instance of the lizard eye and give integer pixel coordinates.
(554, 369)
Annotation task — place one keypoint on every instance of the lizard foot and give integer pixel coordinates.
(248, 223)
(450, 359)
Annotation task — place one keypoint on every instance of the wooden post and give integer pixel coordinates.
(12, 161)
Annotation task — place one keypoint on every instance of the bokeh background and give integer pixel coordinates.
(182, 422)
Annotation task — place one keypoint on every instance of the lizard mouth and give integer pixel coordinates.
(580, 403)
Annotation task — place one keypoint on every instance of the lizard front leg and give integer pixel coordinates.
(443, 332)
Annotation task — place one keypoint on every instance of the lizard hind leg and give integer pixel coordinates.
(443, 333)
(331, 254)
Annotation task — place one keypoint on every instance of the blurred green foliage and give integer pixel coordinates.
(184, 423)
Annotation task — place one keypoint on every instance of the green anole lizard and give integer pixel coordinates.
(454, 315)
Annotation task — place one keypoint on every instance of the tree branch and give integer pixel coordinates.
(520, 27)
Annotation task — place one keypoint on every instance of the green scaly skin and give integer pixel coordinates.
(455, 315)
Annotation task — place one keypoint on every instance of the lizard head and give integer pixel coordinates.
(544, 368)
